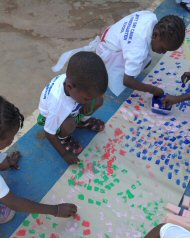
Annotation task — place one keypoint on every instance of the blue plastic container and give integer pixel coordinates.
(157, 106)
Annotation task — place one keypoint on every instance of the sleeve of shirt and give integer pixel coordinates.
(52, 123)
(170, 230)
(4, 189)
(55, 117)
(134, 54)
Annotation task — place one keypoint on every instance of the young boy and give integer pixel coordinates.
(171, 100)
(67, 99)
(125, 47)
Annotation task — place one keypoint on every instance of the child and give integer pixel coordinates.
(10, 122)
(171, 100)
(168, 231)
(68, 98)
(125, 48)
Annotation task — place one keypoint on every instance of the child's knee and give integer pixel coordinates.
(68, 126)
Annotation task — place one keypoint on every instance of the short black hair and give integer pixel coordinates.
(87, 72)
(171, 28)
(10, 117)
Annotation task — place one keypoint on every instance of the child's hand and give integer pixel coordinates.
(71, 158)
(170, 100)
(66, 210)
(185, 77)
(13, 159)
(157, 92)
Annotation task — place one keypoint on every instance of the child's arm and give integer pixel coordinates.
(67, 156)
(155, 232)
(25, 205)
(171, 100)
(131, 82)
(11, 161)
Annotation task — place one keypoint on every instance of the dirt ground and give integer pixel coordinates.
(34, 33)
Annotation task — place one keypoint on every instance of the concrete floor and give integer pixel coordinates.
(34, 33)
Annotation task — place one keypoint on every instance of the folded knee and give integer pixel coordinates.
(68, 126)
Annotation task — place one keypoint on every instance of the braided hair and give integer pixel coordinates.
(171, 29)
(10, 117)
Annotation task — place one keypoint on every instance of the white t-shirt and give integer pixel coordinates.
(132, 35)
(55, 105)
(173, 231)
(4, 189)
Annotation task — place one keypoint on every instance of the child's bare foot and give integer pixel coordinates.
(66, 210)
(13, 159)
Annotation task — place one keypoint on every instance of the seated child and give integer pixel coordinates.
(68, 101)
(168, 231)
(171, 100)
(125, 47)
(10, 122)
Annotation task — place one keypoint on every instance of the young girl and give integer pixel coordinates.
(68, 101)
(10, 122)
(125, 47)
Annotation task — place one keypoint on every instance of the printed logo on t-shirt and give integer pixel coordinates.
(76, 110)
(128, 35)
(49, 87)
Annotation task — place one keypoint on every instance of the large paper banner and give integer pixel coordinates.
(129, 171)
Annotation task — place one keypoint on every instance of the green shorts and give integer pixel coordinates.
(41, 119)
